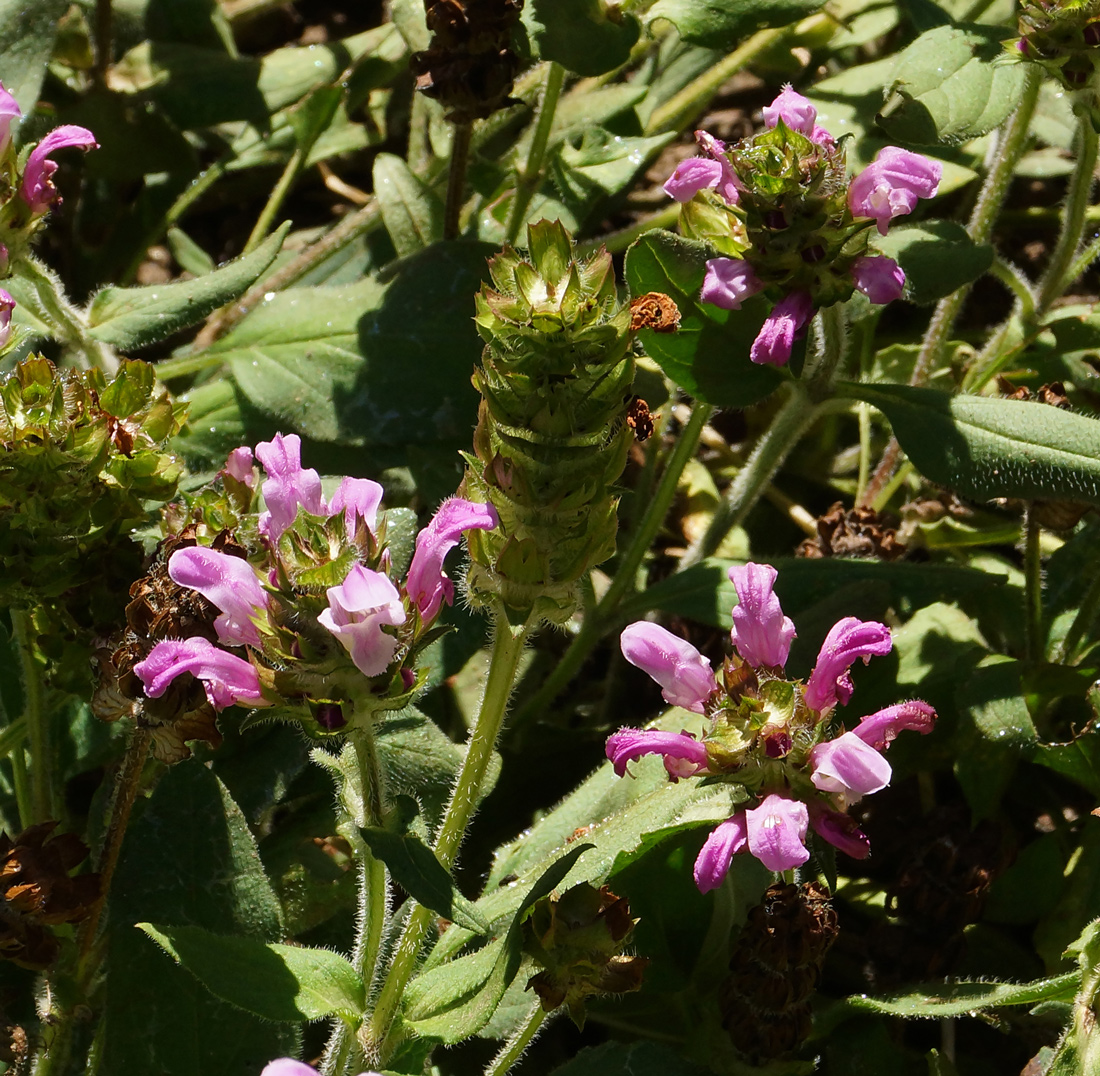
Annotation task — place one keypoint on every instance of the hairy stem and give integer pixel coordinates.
(275, 200)
(513, 1049)
(456, 179)
(1033, 585)
(527, 178)
(42, 798)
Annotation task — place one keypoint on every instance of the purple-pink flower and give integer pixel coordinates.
(714, 859)
(692, 176)
(728, 282)
(359, 609)
(428, 585)
(684, 755)
(685, 676)
(782, 326)
(848, 640)
(359, 499)
(288, 486)
(287, 1066)
(848, 768)
(774, 832)
(7, 305)
(227, 581)
(880, 278)
(880, 729)
(891, 185)
(841, 831)
(38, 190)
(9, 112)
(798, 114)
(227, 679)
(761, 633)
(239, 466)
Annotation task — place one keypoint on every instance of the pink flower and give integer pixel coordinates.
(761, 633)
(848, 640)
(793, 109)
(38, 190)
(359, 500)
(239, 466)
(848, 768)
(227, 679)
(841, 831)
(9, 112)
(358, 610)
(287, 486)
(713, 862)
(7, 305)
(691, 176)
(685, 676)
(728, 282)
(684, 755)
(428, 585)
(880, 278)
(286, 1066)
(788, 318)
(227, 581)
(891, 185)
(879, 729)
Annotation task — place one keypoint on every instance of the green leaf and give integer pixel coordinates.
(938, 258)
(958, 999)
(129, 318)
(709, 355)
(285, 983)
(1079, 759)
(189, 859)
(27, 33)
(371, 362)
(584, 36)
(722, 24)
(952, 84)
(984, 447)
(415, 868)
(411, 210)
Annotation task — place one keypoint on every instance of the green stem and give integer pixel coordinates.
(42, 803)
(625, 578)
(104, 33)
(1078, 199)
(508, 643)
(275, 201)
(680, 109)
(767, 457)
(527, 178)
(21, 780)
(456, 179)
(513, 1049)
(833, 330)
(195, 190)
(1033, 585)
(1086, 614)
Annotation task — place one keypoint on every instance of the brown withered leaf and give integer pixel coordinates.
(639, 419)
(655, 311)
(853, 532)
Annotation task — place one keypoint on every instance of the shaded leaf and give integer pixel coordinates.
(958, 999)
(584, 36)
(27, 33)
(629, 1059)
(722, 24)
(412, 211)
(938, 258)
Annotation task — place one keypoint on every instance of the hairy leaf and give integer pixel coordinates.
(938, 258)
(959, 999)
(27, 33)
(582, 35)
(722, 24)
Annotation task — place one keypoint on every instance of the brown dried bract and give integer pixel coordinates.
(639, 419)
(853, 532)
(1052, 393)
(37, 892)
(655, 311)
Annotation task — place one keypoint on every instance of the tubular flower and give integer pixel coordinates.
(685, 677)
(769, 735)
(239, 466)
(227, 679)
(37, 189)
(9, 113)
(357, 612)
(288, 486)
(790, 224)
(227, 581)
(7, 305)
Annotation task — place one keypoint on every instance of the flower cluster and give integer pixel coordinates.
(308, 610)
(769, 734)
(31, 195)
(781, 211)
(1064, 37)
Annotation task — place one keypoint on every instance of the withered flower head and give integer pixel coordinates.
(853, 532)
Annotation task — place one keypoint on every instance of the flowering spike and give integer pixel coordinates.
(288, 486)
(891, 185)
(685, 676)
(879, 729)
(782, 326)
(714, 859)
(729, 282)
(428, 585)
(777, 832)
(228, 679)
(227, 581)
(761, 633)
(358, 610)
(849, 768)
(848, 640)
(38, 190)
(684, 755)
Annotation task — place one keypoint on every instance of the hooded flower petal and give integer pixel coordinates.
(728, 282)
(239, 465)
(879, 729)
(782, 326)
(841, 832)
(692, 176)
(38, 190)
(358, 610)
(777, 832)
(794, 110)
(684, 755)
(761, 633)
(880, 278)
(7, 305)
(849, 767)
(685, 676)
(286, 1066)
(9, 112)
(891, 185)
(428, 586)
(358, 499)
(228, 679)
(287, 486)
(713, 862)
(230, 583)
(848, 640)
